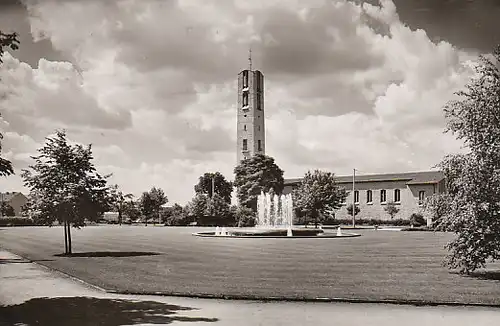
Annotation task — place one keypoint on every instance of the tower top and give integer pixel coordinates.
(250, 59)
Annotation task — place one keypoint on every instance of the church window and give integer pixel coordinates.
(245, 78)
(245, 99)
(397, 195)
(383, 197)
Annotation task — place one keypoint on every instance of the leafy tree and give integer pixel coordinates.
(317, 196)
(131, 210)
(6, 41)
(244, 216)
(151, 202)
(210, 210)
(437, 206)
(65, 186)
(217, 207)
(356, 210)
(473, 178)
(176, 215)
(7, 210)
(198, 205)
(391, 209)
(117, 201)
(255, 174)
(221, 186)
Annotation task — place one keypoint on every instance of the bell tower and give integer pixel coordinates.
(251, 133)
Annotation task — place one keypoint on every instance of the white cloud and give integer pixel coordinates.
(153, 87)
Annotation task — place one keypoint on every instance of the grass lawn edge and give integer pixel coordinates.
(417, 303)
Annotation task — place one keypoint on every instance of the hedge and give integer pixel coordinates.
(16, 221)
(371, 221)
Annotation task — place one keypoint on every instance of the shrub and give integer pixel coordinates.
(368, 221)
(416, 219)
(420, 228)
(245, 217)
(16, 221)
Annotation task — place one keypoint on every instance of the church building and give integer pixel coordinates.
(372, 193)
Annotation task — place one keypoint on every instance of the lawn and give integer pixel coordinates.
(379, 265)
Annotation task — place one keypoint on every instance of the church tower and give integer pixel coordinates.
(251, 132)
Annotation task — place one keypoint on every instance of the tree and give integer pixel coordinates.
(317, 196)
(6, 41)
(255, 174)
(437, 206)
(176, 215)
(221, 186)
(356, 210)
(244, 216)
(65, 186)
(473, 178)
(131, 210)
(198, 205)
(7, 210)
(391, 209)
(151, 202)
(210, 210)
(117, 201)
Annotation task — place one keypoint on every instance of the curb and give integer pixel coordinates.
(417, 303)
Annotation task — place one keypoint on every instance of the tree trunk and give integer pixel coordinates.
(69, 238)
(65, 238)
(120, 217)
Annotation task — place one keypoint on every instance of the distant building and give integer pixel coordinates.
(372, 193)
(15, 199)
(251, 133)
(111, 217)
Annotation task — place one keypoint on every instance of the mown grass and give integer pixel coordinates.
(379, 265)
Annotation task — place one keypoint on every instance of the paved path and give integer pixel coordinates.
(31, 294)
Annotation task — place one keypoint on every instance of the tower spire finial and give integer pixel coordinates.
(250, 58)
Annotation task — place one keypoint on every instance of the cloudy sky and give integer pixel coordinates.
(152, 84)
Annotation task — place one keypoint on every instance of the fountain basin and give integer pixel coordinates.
(276, 233)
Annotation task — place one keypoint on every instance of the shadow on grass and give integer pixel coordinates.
(21, 261)
(83, 311)
(486, 275)
(109, 254)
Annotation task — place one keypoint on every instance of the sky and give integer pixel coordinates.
(152, 84)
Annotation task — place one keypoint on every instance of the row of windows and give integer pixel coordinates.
(245, 144)
(383, 196)
(245, 100)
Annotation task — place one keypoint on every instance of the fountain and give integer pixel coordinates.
(274, 219)
(275, 213)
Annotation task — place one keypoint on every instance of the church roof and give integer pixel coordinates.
(423, 177)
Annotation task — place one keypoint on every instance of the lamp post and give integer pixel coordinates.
(353, 198)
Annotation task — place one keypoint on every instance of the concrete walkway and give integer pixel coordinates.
(34, 295)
